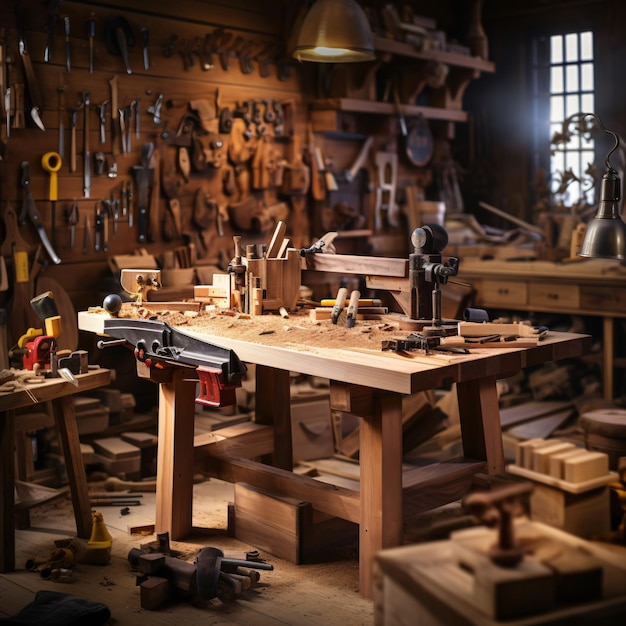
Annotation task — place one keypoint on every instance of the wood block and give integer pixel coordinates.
(115, 448)
(584, 467)
(524, 451)
(154, 593)
(584, 515)
(504, 592)
(286, 527)
(556, 468)
(541, 455)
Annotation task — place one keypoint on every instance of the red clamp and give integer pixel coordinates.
(38, 351)
(213, 390)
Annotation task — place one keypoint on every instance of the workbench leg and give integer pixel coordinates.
(175, 459)
(273, 407)
(380, 460)
(7, 497)
(479, 413)
(65, 418)
(608, 350)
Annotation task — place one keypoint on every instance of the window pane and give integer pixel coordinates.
(587, 157)
(571, 47)
(571, 78)
(572, 104)
(586, 46)
(586, 76)
(587, 103)
(556, 79)
(557, 109)
(556, 49)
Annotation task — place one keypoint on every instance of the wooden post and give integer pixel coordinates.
(273, 407)
(7, 498)
(175, 459)
(65, 418)
(479, 413)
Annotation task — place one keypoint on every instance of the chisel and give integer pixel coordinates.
(353, 308)
(338, 305)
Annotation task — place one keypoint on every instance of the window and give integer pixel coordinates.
(564, 72)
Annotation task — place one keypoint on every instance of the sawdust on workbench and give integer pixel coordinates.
(273, 329)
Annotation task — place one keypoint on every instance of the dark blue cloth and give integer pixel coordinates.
(51, 608)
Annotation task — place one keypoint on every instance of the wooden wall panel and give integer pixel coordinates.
(259, 23)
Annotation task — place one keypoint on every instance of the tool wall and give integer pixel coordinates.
(166, 127)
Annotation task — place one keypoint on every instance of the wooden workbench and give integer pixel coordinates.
(593, 287)
(59, 392)
(366, 382)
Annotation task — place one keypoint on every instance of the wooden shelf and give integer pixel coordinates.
(399, 48)
(352, 105)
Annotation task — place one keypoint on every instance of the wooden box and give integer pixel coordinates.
(288, 528)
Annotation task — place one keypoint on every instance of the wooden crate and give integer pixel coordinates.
(288, 528)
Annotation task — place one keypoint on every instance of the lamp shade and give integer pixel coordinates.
(605, 237)
(335, 31)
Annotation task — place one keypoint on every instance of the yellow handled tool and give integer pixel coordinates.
(51, 163)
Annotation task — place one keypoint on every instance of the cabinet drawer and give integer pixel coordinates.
(549, 295)
(503, 293)
(605, 299)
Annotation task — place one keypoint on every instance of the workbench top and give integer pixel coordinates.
(354, 355)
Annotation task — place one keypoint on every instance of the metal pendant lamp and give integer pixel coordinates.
(335, 31)
(605, 237)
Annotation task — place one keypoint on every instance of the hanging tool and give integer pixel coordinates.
(102, 115)
(7, 109)
(135, 105)
(360, 161)
(145, 37)
(31, 80)
(115, 125)
(61, 94)
(155, 110)
(387, 168)
(86, 235)
(53, 17)
(29, 208)
(68, 56)
(72, 219)
(86, 153)
(143, 176)
(73, 117)
(51, 163)
(119, 38)
(91, 34)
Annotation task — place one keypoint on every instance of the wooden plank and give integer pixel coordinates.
(335, 501)
(247, 440)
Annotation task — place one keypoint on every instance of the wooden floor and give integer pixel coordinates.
(299, 595)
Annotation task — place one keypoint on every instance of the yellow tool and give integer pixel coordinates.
(362, 302)
(51, 163)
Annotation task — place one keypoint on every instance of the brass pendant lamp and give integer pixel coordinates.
(335, 31)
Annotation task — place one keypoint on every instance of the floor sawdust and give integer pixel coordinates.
(299, 595)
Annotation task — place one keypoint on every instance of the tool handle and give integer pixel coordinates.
(340, 301)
